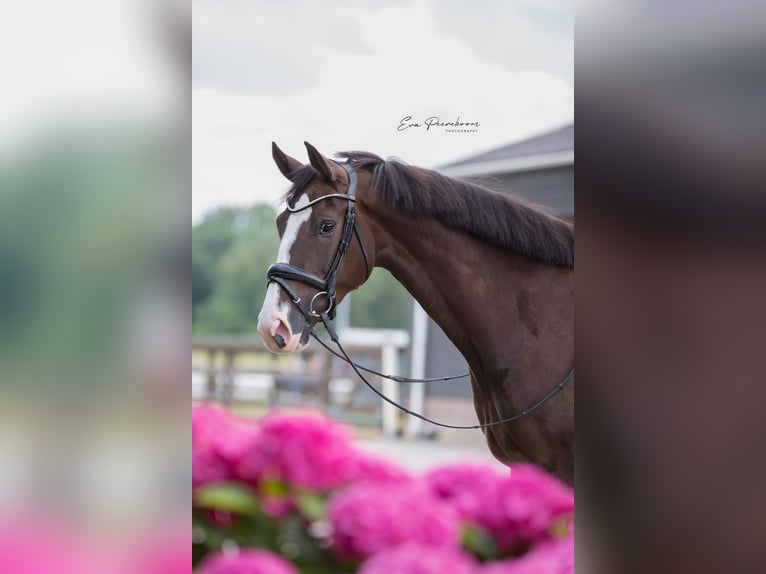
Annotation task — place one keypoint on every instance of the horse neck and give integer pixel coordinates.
(491, 303)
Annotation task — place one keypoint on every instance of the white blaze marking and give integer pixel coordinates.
(271, 304)
(294, 223)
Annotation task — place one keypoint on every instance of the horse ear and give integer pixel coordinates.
(320, 163)
(286, 164)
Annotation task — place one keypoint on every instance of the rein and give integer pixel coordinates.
(357, 370)
(396, 378)
(280, 273)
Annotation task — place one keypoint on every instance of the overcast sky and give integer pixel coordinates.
(343, 74)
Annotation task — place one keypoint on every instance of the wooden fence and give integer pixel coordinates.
(309, 373)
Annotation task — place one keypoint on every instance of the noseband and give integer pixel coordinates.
(280, 273)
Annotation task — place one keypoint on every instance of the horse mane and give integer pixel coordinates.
(488, 215)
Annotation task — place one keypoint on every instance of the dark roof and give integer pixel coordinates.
(558, 140)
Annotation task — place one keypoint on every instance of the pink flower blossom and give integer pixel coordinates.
(247, 562)
(207, 424)
(516, 508)
(367, 519)
(524, 506)
(416, 559)
(277, 506)
(550, 557)
(379, 471)
(218, 439)
(309, 452)
(208, 466)
(377, 511)
(465, 487)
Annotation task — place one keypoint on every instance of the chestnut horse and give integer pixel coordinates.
(495, 273)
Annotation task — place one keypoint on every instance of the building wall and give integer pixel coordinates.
(553, 188)
(444, 360)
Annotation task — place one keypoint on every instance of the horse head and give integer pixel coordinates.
(322, 255)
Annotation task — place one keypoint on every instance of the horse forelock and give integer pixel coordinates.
(301, 180)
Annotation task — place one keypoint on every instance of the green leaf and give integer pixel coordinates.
(274, 488)
(228, 496)
(311, 505)
(560, 528)
(479, 542)
(260, 532)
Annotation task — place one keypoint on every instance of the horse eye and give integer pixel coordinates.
(327, 227)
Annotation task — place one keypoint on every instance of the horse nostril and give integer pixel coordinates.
(281, 333)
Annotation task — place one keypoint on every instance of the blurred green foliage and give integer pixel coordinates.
(231, 250)
(381, 303)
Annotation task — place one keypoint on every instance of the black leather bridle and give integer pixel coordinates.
(280, 273)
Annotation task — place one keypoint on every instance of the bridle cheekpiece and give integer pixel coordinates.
(280, 273)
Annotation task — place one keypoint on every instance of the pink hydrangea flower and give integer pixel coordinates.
(207, 424)
(309, 452)
(550, 557)
(207, 464)
(465, 487)
(379, 471)
(416, 559)
(277, 506)
(516, 508)
(218, 439)
(367, 519)
(247, 562)
(524, 506)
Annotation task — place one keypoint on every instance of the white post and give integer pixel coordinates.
(418, 368)
(390, 389)
(390, 342)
